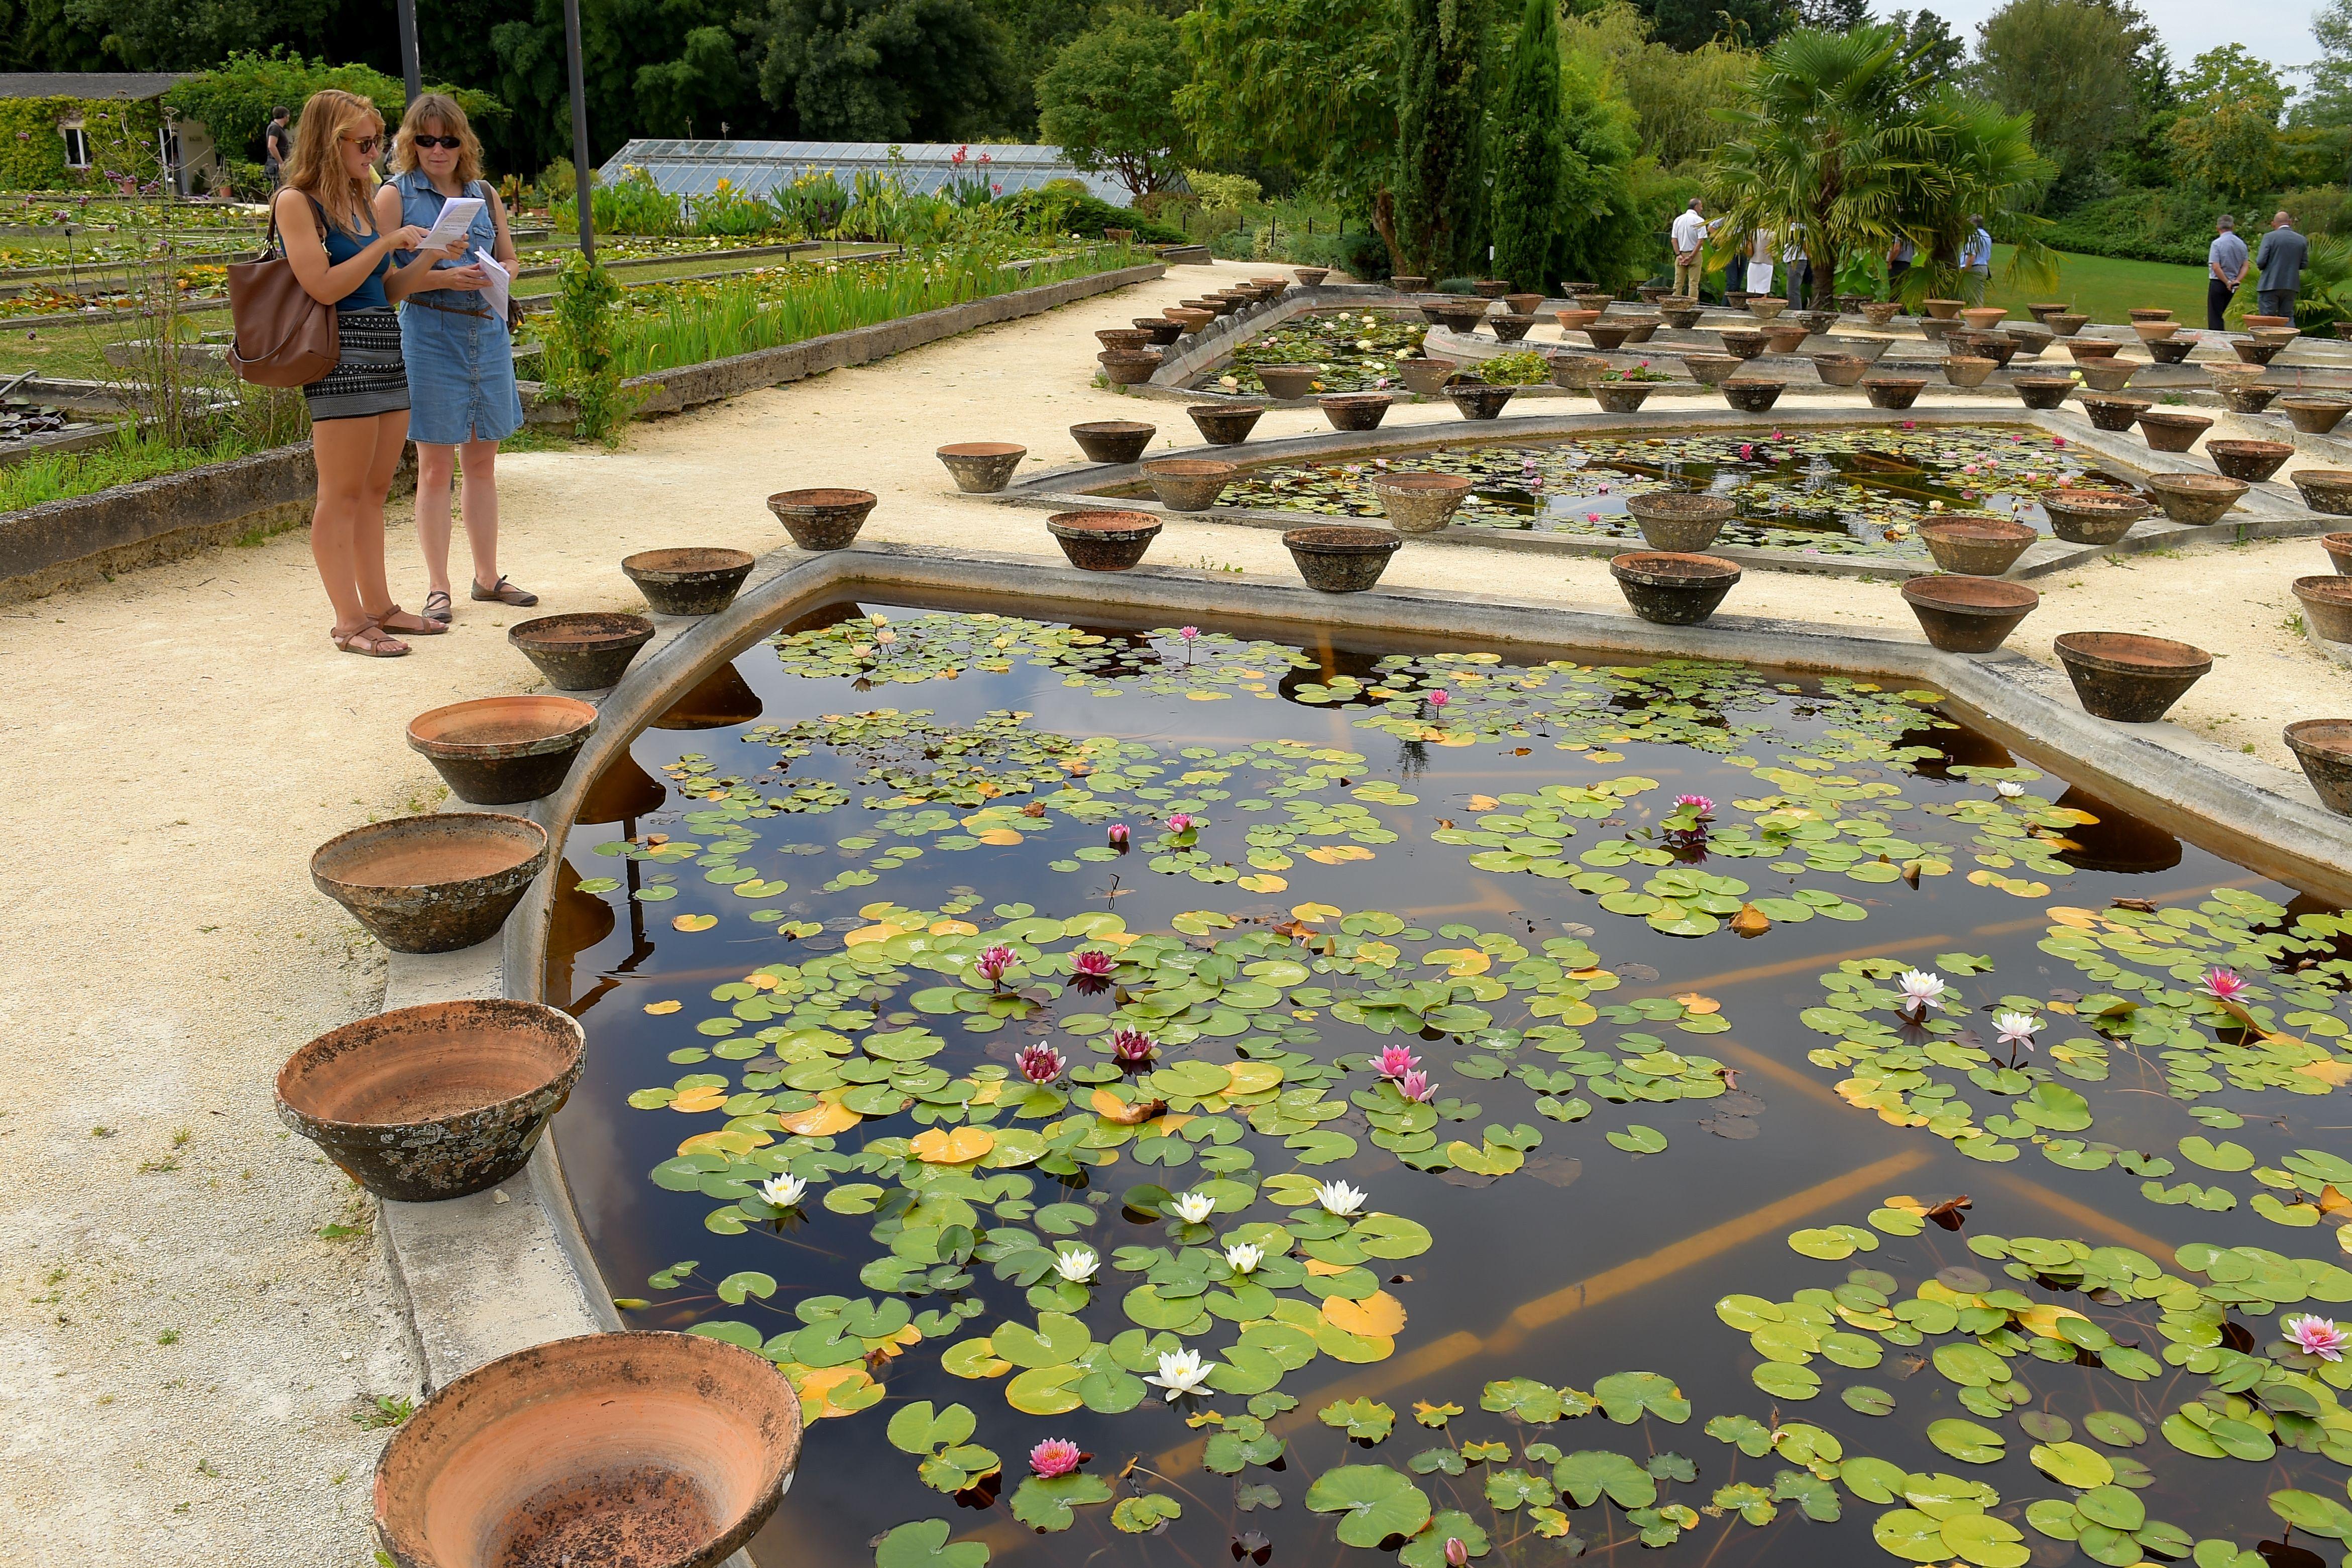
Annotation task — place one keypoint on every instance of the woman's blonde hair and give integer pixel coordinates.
(439, 108)
(317, 167)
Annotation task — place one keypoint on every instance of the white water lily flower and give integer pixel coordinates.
(2008, 789)
(2017, 1028)
(1193, 1207)
(1243, 1258)
(1181, 1372)
(782, 1192)
(1339, 1198)
(1922, 989)
(1077, 1265)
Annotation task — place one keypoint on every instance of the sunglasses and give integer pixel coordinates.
(452, 142)
(365, 143)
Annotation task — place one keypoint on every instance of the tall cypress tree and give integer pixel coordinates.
(1530, 157)
(1439, 132)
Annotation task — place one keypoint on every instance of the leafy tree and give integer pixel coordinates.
(1674, 95)
(2328, 101)
(2232, 71)
(882, 71)
(1109, 99)
(1602, 233)
(1935, 49)
(1529, 156)
(39, 35)
(2226, 136)
(235, 100)
(2069, 65)
(1688, 24)
(694, 92)
(1441, 58)
(1834, 16)
(182, 34)
(650, 67)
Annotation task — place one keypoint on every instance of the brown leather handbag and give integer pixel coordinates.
(284, 336)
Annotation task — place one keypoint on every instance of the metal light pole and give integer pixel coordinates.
(584, 197)
(409, 66)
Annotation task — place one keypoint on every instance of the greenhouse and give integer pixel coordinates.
(694, 168)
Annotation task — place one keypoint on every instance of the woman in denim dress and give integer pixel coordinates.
(461, 381)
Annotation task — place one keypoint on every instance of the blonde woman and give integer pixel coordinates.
(461, 380)
(358, 410)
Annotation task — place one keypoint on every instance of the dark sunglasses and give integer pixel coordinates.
(365, 143)
(452, 142)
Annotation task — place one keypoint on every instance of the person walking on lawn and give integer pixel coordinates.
(2225, 267)
(2280, 263)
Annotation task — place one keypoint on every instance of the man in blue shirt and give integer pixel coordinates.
(2225, 267)
(2280, 262)
(1976, 262)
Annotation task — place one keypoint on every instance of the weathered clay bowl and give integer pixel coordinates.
(2029, 339)
(1682, 318)
(2324, 747)
(982, 468)
(1225, 424)
(1621, 397)
(2129, 679)
(1220, 304)
(2314, 414)
(1763, 307)
(1509, 328)
(1742, 343)
(2093, 348)
(1187, 484)
(1998, 347)
(1477, 400)
(2245, 398)
(2257, 324)
(1157, 331)
(2339, 545)
(1878, 313)
(2107, 374)
(1575, 320)
(2167, 430)
(1712, 369)
(1187, 318)
(2093, 517)
(1124, 340)
(1579, 371)
(1976, 546)
(2195, 498)
(1679, 522)
(1491, 288)
(584, 651)
(1936, 329)
(1818, 320)
(1785, 339)
(1128, 367)
(1840, 370)
(1608, 339)
(2139, 313)
(1103, 540)
(1433, 309)
(1982, 316)
(2066, 323)
(2155, 331)
(822, 519)
(432, 1102)
(2043, 391)
(1309, 277)
(1945, 309)
(433, 883)
(1523, 304)
(1356, 410)
(1418, 502)
(2282, 336)
(1335, 558)
(496, 751)
(1408, 285)
(1594, 300)
(1427, 377)
(690, 580)
(1893, 391)
(1462, 319)
(1289, 381)
(1967, 370)
(1751, 394)
(2170, 351)
(1672, 588)
(2115, 410)
(1968, 614)
(2047, 308)
(2326, 606)
(631, 1451)
(2255, 352)
(1113, 440)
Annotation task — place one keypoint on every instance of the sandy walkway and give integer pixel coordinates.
(186, 1348)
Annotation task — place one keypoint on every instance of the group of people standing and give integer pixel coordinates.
(423, 357)
(1692, 230)
(2278, 267)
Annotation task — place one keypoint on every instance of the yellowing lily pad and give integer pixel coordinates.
(693, 922)
(939, 1146)
(1379, 1314)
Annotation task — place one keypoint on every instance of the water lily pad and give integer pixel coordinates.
(1374, 1502)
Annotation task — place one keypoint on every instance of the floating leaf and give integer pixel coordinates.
(1375, 1501)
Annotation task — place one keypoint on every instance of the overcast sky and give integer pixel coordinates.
(2279, 31)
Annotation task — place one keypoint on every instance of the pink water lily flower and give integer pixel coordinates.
(993, 963)
(1188, 633)
(1040, 1063)
(1593, 517)
(2224, 984)
(1698, 804)
(1416, 1086)
(1910, 424)
(1094, 961)
(2057, 440)
(1183, 822)
(1117, 835)
(1438, 699)
(1396, 1061)
(1456, 1554)
(1747, 452)
(2316, 1336)
(1055, 1457)
(1133, 1048)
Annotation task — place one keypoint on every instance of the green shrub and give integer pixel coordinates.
(727, 210)
(630, 204)
(581, 364)
(1527, 368)
(1360, 254)
(234, 101)
(1049, 211)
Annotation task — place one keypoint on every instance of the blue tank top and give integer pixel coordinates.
(341, 247)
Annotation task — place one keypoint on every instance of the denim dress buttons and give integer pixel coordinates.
(461, 380)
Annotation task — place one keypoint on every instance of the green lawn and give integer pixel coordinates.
(2106, 288)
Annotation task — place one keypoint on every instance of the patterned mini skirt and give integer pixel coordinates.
(369, 379)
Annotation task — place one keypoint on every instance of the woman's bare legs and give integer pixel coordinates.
(356, 459)
(478, 462)
(435, 462)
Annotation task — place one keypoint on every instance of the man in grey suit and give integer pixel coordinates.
(2280, 262)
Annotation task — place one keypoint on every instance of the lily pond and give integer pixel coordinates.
(1358, 350)
(1166, 1096)
(1853, 492)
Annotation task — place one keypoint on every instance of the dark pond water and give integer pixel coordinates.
(1628, 1123)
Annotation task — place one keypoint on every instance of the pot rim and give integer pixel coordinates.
(1419, 480)
(2328, 589)
(822, 498)
(1935, 593)
(582, 717)
(1101, 525)
(2070, 647)
(2301, 738)
(1989, 529)
(569, 1031)
(1342, 539)
(2192, 483)
(642, 568)
(1188, 468)
(1690, 569)
(528, 635)
(983, 449)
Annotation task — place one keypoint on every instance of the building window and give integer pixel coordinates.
(77, 146)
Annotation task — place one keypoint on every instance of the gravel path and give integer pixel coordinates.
(196, 1309)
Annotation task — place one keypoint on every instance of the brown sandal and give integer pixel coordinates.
(421, 626)
(371, 641)
(505, 592)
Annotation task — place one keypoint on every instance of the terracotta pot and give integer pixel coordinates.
(2093, 348)
(657, 1450)
(1968, 614)
(1130, 367)
(2066, 323)
(1523, 304)
(1103, 540)
(2168, 431)
(1840, 370)
(1736, 299)
(1651, 293)
(1427, 377)
(1462, 319)
(1508, 327)
(496, 751)
(1976, 546)
(1215, 304)
(1579, 371)
(1879, 312)
(982, 468)
(1595, 299)
(1893, 391)
(2043, 391)
(1817, 320)
(2107, 374)
(2326, 606)
(1983, 316)
(2195, 498)
(1682, 318)
(2093, 517)
(1289, 382)
(2255, 323)
(2149, 314)
(1310, 276)
(2339, 549)
(2129, 679)
(1785, 339)
(1356, 410)
(1225, 424)
(1671, 588)
(1272, 287)
(1711, 370)
(1418, 502)
(1113, 440)
(2253, 461)
(2324, 747)
(1945, 309)
(1964, 369)
(1998, 347)
(2314, 414)
(1124, 340)
(1621, 396)
(823, 519)
(1763, 307)
(2283, 336)
(585, 651)
(1608, 339)
(2044, 311)
(1575, 320)
(433, 883)
(1477, 400)
(2116, 411)
(1491, 288)
(2257, 352)
(2029, 341)
(688, 580)
(2170, 351)
(1640, 329)
(1337, 559)
(426, 1103)
(1158, 330)
(1408, 284)
(2247, 397)
(1573, 287)
(1742, 344)
(1751, 394)
(2155, 331)
(1187, 318)
(1679, 521)
(1187, 484)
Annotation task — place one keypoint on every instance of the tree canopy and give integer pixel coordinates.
(1109, 99)
(2068, 65)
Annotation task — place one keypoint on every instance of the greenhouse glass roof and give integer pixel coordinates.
(694, 168)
